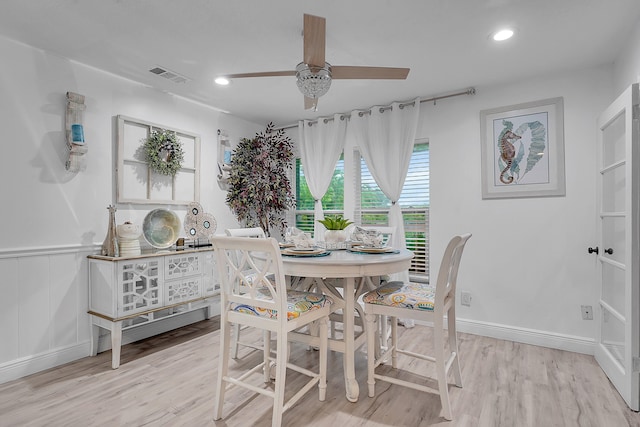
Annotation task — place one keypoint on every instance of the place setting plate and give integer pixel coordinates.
(305, 252)
(372, 250)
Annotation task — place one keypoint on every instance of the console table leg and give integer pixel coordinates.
(95, 335)
(116, 343)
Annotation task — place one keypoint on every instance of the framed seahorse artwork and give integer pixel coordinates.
(523, 150)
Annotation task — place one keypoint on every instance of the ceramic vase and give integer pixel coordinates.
(335, 236)
(110, 244)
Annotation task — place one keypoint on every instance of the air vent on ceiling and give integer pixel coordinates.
(171, 75)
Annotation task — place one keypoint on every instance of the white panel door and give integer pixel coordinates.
(617, 338)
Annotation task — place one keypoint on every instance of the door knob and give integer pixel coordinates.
(593, 250)
(608, 251)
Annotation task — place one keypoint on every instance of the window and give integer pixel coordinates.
(372, 206)
(332, 202)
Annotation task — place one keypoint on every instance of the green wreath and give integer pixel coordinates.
(164, 152)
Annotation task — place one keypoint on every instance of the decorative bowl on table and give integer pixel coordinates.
(161, 228)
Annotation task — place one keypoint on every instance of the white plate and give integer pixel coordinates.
(302, 251)
(372, 250)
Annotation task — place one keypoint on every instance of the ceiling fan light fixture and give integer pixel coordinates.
(313, 81)
(222, 81)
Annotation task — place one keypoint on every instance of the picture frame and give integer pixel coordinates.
(522, 149)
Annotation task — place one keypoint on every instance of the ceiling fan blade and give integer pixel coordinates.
(349, 72)
(262, 74)
(310, 103)
(314, 32)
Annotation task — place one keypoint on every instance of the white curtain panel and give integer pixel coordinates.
(321, 144)
(385, 138)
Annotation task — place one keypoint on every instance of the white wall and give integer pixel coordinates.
(526, 265)
(51, 218)
(53, 206)
(627, 65)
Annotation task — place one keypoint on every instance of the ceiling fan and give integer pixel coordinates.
(314, 74)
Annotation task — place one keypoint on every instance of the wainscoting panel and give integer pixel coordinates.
(9, 320)
(34, 316)
(44, 321)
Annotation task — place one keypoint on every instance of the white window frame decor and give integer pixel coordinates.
(138, 183)
(523, 150)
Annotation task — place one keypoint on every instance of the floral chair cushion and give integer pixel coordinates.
(415, 296)
(298, 303)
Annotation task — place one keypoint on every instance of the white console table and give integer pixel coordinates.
(132, 291)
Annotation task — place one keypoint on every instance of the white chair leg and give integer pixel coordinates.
(384, 330)
(236, 339)
(266, 353)
(394, 342)
(441, 372)
(453, 346)
(281, 373)
(223, 367)
(371, 352)
(322, 383)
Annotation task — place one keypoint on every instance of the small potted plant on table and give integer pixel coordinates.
(335, 226)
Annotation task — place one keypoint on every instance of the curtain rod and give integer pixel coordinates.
(469, 91)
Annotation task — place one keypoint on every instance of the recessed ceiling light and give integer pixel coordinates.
(222, 81)
(502, 35)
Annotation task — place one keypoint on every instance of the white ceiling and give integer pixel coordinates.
(444, 42)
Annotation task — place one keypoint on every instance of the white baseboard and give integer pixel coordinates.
(527, 336)
(30, 365)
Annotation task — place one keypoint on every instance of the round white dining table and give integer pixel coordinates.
(347, 265)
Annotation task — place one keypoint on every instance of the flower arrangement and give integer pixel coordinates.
(163, 152)
(260, 191)
(335, 222)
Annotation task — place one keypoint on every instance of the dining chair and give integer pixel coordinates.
(365, 284)
(420, 302)
(254, 293)
(255, 232)
(387, 233)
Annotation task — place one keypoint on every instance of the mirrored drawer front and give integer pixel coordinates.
(177, 291)
(181, 265)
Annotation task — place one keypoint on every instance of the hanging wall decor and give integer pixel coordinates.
(156, 164)
(75, 133)
(164, 152)
(224, 160)
(523, 150)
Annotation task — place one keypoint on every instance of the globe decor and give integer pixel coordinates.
(163, 152)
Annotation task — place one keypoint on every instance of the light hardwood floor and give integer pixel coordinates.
(168, 380)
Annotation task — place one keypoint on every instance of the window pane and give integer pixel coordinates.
(332, 201)
(374, 205)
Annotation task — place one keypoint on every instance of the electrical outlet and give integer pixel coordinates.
(465, 299)
(587, 312)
